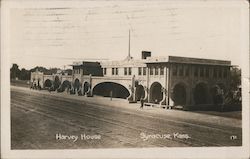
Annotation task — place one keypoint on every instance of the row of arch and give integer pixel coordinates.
(201, 92)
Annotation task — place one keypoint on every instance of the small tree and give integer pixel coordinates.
(24, 74)
(235, 82)
(234, 94)
(14, 71)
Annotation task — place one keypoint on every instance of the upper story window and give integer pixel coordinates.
(187, 71)
(201, 72)
(161, 71)
(207, 72)
(215, 72)
(196, 72)
(225, 73)
(129, 71)
(156, 71)
(113, 71)
(181, 71)
(139, 71)
(174, 70)
(144, 71)
(125, 71)
(220, 73)
(77, 71)
(116, 71)
(104, 71)
(151, 70)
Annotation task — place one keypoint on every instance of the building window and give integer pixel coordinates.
(196, 72)
(151, 70)
(125, 71)
(220, 73)
(215, 73)
(201, 72)
(174, 70)
(161, 71)
(187, 71)
(225, 73)
(77, 71)
(113, 71)
(181, 70)
(139, 70)
(206, 72)
(104, 71)
(129, 71)
(116, 71)
(144, 70)
(156, 71)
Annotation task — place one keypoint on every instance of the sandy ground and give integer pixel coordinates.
(38, 117)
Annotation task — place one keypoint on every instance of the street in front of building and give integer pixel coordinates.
(49, 120)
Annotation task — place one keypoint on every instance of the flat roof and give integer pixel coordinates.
(81, 63)
(189, 60)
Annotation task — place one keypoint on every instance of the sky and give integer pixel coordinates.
(56, 34)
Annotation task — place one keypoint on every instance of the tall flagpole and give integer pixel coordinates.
(129, 56)
(129, 44)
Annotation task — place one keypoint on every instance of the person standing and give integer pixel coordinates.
(111, 95)
(142, 102)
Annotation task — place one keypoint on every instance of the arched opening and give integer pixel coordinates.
(77, 84)
(66, 85)
(38, 82)
(201, 94)
(156, 94)
(57, 82)
(139, 92)
(108, 89)
(47, 83)
(86, 87)
(179, 94)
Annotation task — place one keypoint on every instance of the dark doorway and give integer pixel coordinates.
(179, 94)
(139, 93)
(66, 84)
(57, 82)
(47, 83)
(156, 94)
(107, 89)
(77, 84)
(38, 83)
(200, 94)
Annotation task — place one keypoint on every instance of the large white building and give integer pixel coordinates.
(167, 80)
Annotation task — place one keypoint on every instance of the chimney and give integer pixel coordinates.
(145, 54)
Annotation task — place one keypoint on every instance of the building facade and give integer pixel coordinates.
(168, 80)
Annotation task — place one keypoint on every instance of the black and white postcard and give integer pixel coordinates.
(124, 79)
